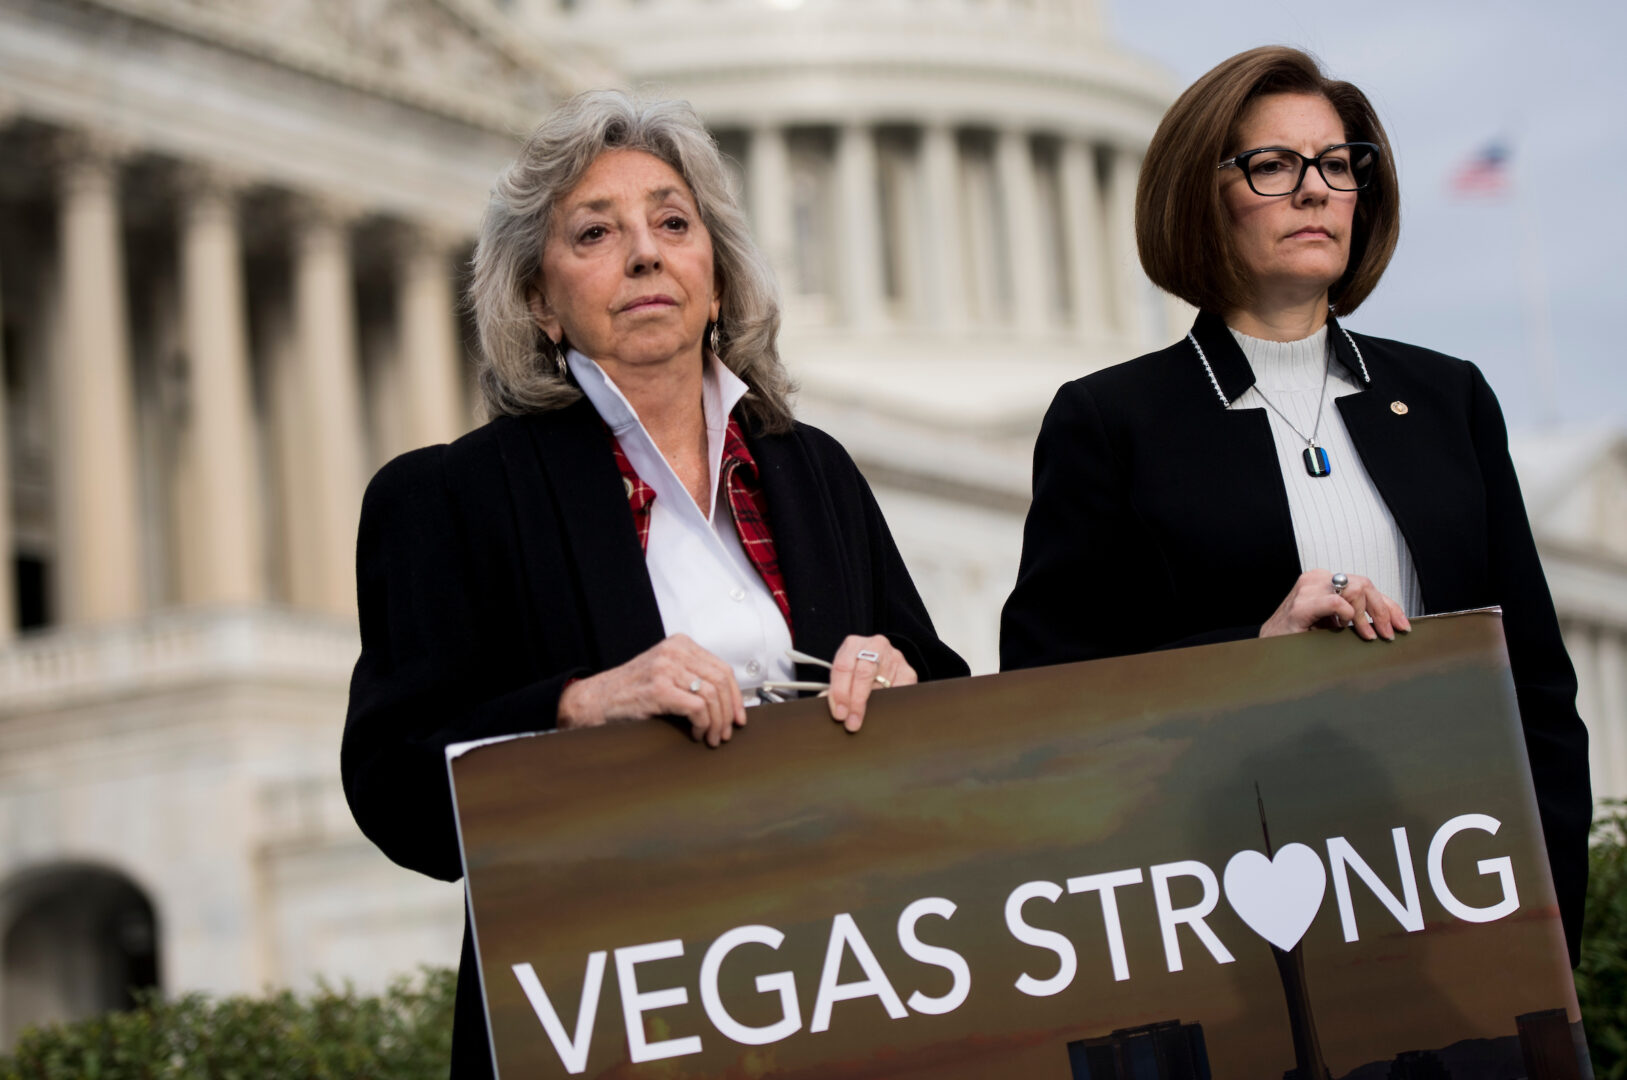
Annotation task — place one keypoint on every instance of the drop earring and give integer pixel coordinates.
(552, 350)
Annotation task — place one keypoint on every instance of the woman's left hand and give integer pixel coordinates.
(864, 664)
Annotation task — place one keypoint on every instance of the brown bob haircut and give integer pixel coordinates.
(1183, 231)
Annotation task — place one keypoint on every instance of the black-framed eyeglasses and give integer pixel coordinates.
(1276, 170)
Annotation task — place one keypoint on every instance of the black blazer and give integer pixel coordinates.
(1160, 518)
(493, 570)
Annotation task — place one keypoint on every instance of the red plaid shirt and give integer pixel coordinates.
(747, 505)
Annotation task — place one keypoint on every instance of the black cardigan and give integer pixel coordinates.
(493, 570)
(1160, 518)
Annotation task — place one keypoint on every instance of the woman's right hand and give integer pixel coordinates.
(1313, 601)
(675, 678)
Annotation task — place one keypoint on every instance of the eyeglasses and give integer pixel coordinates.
(775, 692)
(1275, 170)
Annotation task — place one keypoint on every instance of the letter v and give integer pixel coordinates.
(573, 1052)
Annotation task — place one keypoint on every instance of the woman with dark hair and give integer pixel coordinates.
(1273, 471)
(642, 529)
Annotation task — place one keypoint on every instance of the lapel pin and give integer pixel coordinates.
(1399, 408)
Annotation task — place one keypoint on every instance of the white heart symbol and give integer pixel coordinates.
(1278, 897)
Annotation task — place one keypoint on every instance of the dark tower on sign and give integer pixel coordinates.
(1166, 1050)
(1308, 1061)
(1549, 1045)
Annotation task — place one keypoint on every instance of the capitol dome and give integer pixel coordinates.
(944, 186)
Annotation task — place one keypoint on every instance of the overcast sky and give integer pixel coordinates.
(1447, 79)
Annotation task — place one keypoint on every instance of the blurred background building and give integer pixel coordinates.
(232, 237)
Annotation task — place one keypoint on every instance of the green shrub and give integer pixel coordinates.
(403, 1034)
(1601, 981)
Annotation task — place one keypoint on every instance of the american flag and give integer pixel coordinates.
(1485, 172)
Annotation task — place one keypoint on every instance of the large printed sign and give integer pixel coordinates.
(1307, 857)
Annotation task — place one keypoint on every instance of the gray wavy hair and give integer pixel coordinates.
(519, 368)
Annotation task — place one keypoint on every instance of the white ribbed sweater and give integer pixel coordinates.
(1340, 520)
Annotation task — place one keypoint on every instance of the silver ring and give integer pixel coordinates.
(870, 654)
(694, 686)
(1339, 582)
(883, 682)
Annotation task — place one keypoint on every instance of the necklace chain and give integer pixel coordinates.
(1321, 400)
(1314, 456)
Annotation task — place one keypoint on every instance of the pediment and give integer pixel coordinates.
(457, 56)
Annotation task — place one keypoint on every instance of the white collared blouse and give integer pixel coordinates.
(705, 585)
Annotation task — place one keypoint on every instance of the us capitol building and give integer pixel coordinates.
(232, 238)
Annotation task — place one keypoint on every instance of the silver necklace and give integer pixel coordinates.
(1314, 456)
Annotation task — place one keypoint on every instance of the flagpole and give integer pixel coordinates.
(1539, 323)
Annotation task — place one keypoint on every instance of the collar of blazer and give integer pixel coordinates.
(562, 460)
(1231, 368)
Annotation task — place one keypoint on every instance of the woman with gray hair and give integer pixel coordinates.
(642, 529)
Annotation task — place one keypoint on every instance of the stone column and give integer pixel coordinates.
(768, 184)
(221, 538)
(285, 450)
(98, 524)
(427, 302)
(1030, 284)
(944, 279)
(1083, 218)
(1129, 283)
(858, 209)
(329, 402)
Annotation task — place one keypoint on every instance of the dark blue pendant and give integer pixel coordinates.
(1316, 461)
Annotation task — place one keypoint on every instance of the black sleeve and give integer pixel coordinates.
(1092, 581)
(1083, 579)
(1544, 680)
(900, 614)
(427, 676)
(1069, 539)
